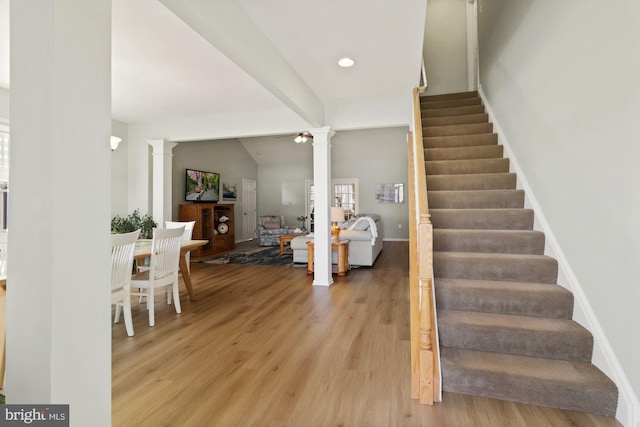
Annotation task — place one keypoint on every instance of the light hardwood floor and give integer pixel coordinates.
(262, 347)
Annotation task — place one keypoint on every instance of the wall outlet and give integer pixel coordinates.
(399, 225)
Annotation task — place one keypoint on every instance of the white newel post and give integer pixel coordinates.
(162, 154)
(58, 286)
(322, 195)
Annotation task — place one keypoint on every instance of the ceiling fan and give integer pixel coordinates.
(298, 138)
(302, 137)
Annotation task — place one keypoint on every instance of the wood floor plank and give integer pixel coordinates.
(262, 347)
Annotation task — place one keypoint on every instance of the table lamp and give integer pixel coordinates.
(337, 215)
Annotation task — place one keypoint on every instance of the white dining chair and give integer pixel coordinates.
(163, 270)
(122, 248)
(188, 232)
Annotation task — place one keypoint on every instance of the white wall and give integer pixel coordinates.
(119, 170)
(281, 189)
(119, 159)
(445, 46)
(227, 157)
(562, 79)
(4, 105)
(60, 127)
(373, 156)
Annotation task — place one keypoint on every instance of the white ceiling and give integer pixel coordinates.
(163, 69)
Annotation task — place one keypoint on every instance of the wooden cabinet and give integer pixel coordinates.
(214, 222)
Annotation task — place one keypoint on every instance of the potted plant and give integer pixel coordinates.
(301, 219)
(133, 222)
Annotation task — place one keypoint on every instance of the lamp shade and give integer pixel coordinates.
(114, 142)
(337, 214)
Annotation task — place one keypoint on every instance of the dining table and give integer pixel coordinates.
(143, 250)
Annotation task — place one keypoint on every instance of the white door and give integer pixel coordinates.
(249, 219)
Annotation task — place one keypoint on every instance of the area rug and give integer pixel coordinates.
(268, 255)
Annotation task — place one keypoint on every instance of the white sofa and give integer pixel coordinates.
(364, 248)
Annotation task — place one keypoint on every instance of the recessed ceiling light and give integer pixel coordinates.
(346, 62)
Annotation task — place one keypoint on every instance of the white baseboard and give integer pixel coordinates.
(628, 412)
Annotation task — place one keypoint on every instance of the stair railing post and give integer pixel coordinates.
(425, 237)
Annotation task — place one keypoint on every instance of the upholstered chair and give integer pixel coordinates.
(270, 228)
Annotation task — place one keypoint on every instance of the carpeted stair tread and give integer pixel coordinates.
(458, 129)
(455, 120)
(562, 384)
(449, 96)
(488, 266)
(474, 199)
(507, 333)
(487, 181)
(489, 241)
(464, 153)
(461, 140)
(505, 219)
(448, 103)
(505, 325)
(453, 111)
(490, 296)
(457, 167)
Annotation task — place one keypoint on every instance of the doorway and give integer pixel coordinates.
(249, 219)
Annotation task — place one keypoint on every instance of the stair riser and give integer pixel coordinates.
(524, 299)
(495, 181)
(463, 129)
(511, 219)
(492, 199)
(449, 96)
(545, 391)
(460, 140)
(449, 103)
(464, 153)
(453, 111)
(454, 265)
(513, 242)
(565, 343)
(459, 167)
(456, 120)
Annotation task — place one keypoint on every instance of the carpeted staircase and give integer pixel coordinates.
(505, 326)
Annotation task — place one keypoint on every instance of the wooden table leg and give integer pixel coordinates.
(343, 259)
(310, 258)
(186, 276)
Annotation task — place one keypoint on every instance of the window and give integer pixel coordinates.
(344, 195)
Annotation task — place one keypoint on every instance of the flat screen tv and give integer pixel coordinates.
(202, 186)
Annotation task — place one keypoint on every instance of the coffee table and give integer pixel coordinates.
(287, 238)
(342, 246)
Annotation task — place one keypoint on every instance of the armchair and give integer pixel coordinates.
(270, 228)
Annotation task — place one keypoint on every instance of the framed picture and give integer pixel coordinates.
(389, 193)
(229, 191)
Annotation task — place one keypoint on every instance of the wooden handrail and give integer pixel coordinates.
(425, 360)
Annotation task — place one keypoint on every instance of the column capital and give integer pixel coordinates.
(322, 135)
(162, 146)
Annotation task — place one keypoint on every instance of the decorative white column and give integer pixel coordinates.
(322, 195)
(58, 284)
(162, 154)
